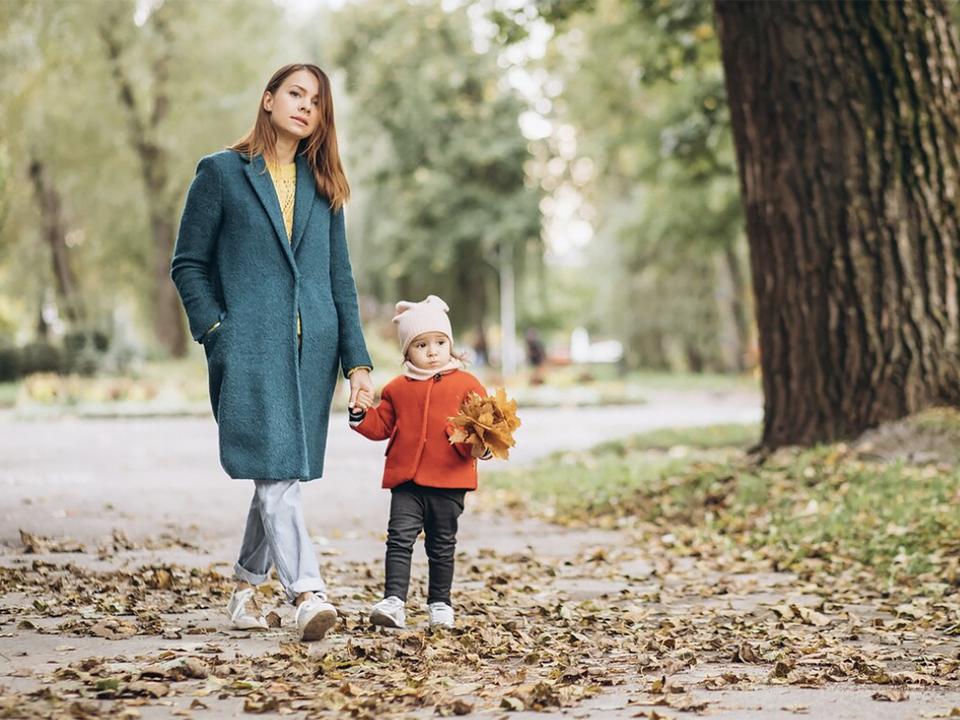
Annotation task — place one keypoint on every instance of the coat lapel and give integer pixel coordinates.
(303, 204)
(263, 185)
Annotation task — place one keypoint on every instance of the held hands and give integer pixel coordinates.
(361, 390)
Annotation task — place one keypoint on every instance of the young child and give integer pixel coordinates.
(426, 475)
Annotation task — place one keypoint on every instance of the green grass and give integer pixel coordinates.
(825, 504)
(707, 382)
(692, 438)
(605, 480)
(8, 394)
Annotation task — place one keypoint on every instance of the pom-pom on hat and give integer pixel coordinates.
(416, 318)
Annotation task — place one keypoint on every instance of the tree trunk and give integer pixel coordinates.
(54, 231)
(168, 318)
(844, 117)
(168, 315)
(471, 280)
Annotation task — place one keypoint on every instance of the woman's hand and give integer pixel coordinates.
(361, 389)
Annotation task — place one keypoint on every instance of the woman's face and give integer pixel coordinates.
(429, 351)
(294, 108)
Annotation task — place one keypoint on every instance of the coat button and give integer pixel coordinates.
(437, 376)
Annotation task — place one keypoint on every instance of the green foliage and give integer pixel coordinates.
(9, 361)
(84, 351)
(643, 88)
(195, 72)
(40, 357)
(832, 504)
(438, 150)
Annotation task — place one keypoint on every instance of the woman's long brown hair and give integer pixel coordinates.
(320, 149)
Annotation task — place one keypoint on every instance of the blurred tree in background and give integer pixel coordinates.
(111, 104)
(108, 106)
(641, 85)
(438, 156)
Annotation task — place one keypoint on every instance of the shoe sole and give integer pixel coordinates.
(381, 619)
(252, 626)
(319, 625)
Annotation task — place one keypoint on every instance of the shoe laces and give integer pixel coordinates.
(309, 604)
(391, 604)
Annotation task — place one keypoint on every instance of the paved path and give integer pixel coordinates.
(157, 483)
(84, 478)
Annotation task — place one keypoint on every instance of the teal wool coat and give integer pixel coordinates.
(234, 265)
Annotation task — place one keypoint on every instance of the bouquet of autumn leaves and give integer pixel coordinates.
(486, 423)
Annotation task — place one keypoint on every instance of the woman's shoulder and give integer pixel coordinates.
(224, 159)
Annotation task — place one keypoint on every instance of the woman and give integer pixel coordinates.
(262, 268)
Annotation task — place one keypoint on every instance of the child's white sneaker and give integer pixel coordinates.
(389, 613)
(244, 612)
(315, 616)
(440, 615)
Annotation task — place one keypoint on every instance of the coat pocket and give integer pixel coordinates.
(215, 366)
(212, 339)
(393, 439)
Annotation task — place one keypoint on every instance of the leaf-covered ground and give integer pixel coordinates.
(674, 580)
(535, 634)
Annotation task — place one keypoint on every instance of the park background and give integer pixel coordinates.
(550, 177)
(700, 208)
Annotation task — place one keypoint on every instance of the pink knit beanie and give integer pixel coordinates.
(414, 319)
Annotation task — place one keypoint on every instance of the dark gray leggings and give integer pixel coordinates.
(435, 511)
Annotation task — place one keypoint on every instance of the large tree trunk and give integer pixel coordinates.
(844, 117)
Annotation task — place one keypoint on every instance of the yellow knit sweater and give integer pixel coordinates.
(285, 183)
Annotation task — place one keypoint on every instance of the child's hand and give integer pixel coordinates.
(480, 452)
(364, 399)
(360, 382)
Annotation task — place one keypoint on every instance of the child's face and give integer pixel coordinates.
(429, 351)
(294, 109)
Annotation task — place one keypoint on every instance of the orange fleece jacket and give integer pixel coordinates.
(413, 415)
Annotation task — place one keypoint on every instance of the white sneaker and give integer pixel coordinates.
(314, 618)
(241, 616)
(440, 615)
(389, 613)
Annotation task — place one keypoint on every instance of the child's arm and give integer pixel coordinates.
(376, 423)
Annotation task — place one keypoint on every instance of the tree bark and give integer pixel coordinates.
(143, 130)
(845, 123)
(54, 230)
